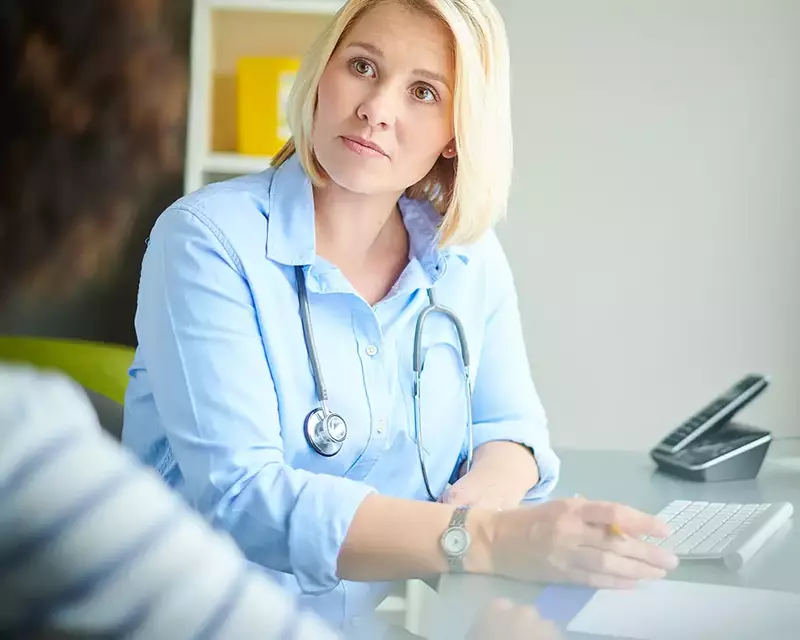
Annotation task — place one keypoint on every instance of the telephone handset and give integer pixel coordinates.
(708, 446)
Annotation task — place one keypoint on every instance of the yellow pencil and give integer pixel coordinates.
(613, 527)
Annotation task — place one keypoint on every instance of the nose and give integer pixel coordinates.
(379, 108)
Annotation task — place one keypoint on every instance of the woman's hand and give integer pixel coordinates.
(570, 541)
(504, 619)
(477, 490)
(501, 475)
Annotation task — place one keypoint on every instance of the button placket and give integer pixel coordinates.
(368, 338)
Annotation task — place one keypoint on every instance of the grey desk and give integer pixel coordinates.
(631, 478)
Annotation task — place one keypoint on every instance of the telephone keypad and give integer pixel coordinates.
(702, 418)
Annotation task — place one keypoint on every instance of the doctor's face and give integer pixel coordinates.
(385, 101)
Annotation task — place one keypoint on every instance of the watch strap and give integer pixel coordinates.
(459, 517)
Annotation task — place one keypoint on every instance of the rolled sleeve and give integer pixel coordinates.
(314, 549)
(200, 340)
(505, 403)
(535, 438)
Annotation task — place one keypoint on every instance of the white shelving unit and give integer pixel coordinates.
(234, 163)
(222, 31)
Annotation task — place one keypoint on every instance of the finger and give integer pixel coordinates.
(452, 497)
(629, 547)
(544, 630)
(526, 625)
(492, 504)
(493, 621)
(599, 580)
(640, 550)
(500, 605)
(631, 521)
(470, 499)
(550, 631)
(607, 562)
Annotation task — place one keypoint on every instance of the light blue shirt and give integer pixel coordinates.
(221, 382)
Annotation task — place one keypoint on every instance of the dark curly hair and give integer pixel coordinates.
(92, 112)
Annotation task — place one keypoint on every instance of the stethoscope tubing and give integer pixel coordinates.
(417, 365)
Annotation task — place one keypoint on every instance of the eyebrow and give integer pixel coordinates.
(377, 51)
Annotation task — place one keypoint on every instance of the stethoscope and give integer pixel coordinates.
(326, 431)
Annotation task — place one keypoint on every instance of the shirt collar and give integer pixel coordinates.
(291, 240)
(422, 222)
(290, 237)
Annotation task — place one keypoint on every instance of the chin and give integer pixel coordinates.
(358, 176)
(358, 183)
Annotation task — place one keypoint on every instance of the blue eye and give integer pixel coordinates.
(363, 68)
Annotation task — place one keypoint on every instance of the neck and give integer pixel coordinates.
(354, 228)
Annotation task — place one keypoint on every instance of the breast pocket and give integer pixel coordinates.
(441, 426)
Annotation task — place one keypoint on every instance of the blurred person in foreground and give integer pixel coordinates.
(91, 543)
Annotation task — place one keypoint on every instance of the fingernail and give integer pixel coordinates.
(502, 604)
(670, 561)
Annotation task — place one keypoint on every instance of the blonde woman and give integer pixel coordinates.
(330, 364)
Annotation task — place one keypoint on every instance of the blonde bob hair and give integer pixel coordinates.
(471, 190)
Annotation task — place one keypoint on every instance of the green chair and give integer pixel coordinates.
(101, 369)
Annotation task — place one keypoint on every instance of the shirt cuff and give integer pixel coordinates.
(319, 523)
(547, 461)
(549, 469)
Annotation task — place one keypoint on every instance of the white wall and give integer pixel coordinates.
(654, 220)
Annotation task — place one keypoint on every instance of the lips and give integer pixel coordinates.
(363, 142)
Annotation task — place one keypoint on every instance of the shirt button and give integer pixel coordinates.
(381, 425)
(372, 350)
(355, 621)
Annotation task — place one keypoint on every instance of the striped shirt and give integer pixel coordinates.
(91, 543)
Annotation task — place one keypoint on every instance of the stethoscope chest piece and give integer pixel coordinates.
(325, 433)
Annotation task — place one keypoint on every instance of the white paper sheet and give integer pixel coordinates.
(673, 610)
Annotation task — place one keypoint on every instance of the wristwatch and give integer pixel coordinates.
(455, 540)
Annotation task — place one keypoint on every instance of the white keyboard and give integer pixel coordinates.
(720, 531)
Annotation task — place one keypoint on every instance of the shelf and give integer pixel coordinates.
(243, 33)
(224, 31)
(234, 163)
(328, 7)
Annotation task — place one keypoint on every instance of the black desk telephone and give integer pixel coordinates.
(709, 447)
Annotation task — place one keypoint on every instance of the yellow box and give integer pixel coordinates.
(262, 89)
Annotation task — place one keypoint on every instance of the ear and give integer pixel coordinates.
(450, 150)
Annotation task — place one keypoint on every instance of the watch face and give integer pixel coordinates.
(455, 541)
